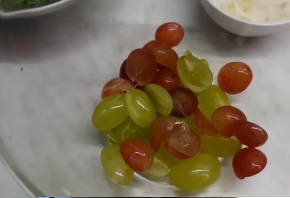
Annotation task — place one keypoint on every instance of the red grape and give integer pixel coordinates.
(160, 129)
(116, 85)
(122, 72)
(137, 154)
(166, 78)
(250, 134)
(248, 162)
(164, 55)
(140, 67)
(234, 77)
(203, 124)
(184, 102)
(182, 142)
(223, 118)
(170, 33)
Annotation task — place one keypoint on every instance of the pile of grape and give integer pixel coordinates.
(164, 117)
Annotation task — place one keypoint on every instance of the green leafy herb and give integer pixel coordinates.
(13, 5)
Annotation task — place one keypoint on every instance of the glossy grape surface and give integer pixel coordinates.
(115, 86)
(161, 98)
(211, 99)
(194, 73)
(184, 102)
(235, 77)
(140, 107)
(170, 33)
(164, 55)
(110, 112)
(219, 146)
(137, 154)
(250, 134)
(248, 162)
(115, 167)
(223, 119)
(140, 67)
(195, 173)
(166, 78)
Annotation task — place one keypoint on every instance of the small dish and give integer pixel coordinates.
(240, 27)
(35, 11)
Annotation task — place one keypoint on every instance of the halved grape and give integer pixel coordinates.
(195, 173)
(182, 142)
(170, 33)
(224, 117)
(194, 73)
(140, 67)
(166, 78)
(184, 102)
(127, 129)
(116, 85)
(164, 55)
(110, 112)
(137, 154)
(248, 162)
(160, 129)
(115, 167)
(219, 146)
(211, 99)
(140, 107)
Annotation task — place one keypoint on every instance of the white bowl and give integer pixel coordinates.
(239, 27)
(35, 11)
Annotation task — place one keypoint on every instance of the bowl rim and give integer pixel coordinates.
(35, 11)
(244, 21)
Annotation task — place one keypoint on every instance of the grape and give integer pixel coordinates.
(160, 129)
(127, 129)
(137, 154)
(194, 73)
(140, 67)
(170, 33)
(250, 134)
(140, 107)
(195, 173)
(166, 78)
(161, 98)
(224, 117)
(110, 112)
(182, 142)
(234, 77)
(211, 99)
(184, 102)
(219, 146)
(203, 124)
(122, 72)
(248, 162)
(163, 54)
(116, 85)
(115, 167)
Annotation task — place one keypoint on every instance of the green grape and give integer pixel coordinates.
(196, 173)
(211, 99)
(219, 146)
(110, 112)
(194, 74)
(162, 164)
(140, 107)
(115, 167)
(127, 129)
(160, 97)
(190, 123)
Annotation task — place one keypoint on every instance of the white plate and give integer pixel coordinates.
(52, 70)
(36, 11)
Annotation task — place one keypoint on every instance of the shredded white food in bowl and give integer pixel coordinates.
(256, 11)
